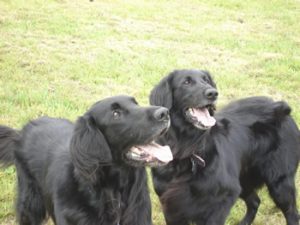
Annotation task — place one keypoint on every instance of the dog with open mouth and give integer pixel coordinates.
(90, 173)
(221, 156)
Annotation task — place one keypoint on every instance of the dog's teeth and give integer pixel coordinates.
(135, 155)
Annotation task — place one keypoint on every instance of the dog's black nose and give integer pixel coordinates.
(211, 93)
(161, 114)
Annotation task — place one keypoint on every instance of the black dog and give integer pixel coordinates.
(91, 173)
(251, 142)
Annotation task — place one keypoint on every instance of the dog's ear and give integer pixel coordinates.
(161, 94)
(88, 147)
(211, 81)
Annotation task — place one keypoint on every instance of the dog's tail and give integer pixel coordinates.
(8, 143)
(281, 110)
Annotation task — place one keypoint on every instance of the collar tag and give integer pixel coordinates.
(194, 167)
(196, 160)
(199, 160)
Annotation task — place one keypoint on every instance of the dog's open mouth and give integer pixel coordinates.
(201, 117)
(151, 154)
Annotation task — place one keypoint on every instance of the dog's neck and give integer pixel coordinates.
(188, 142)
(183, 138)
(108, 176)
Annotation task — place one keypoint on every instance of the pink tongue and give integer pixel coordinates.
(203, 116)
(162, 153)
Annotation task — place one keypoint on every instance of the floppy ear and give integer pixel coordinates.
(88, 147)
(211, 81)
(161, 94)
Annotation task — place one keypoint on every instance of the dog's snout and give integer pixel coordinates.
(211, 93)
(161, 114)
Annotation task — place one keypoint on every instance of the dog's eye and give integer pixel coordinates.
(187, 81)
(116, 114)
(206, 79)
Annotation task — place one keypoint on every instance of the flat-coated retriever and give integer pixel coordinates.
(251, 142)
(90, 173)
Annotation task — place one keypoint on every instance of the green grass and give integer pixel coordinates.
(57, 57)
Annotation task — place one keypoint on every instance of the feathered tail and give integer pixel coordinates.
(8, 143)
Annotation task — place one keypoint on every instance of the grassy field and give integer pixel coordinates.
(58, 57)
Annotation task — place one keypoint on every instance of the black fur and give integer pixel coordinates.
(254, 142)
(8, 139)
(77, 174)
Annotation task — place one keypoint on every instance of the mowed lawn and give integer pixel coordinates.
(59, 57)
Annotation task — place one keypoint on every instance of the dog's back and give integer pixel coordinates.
(43, 141)
(34, 139)
(256, 109)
